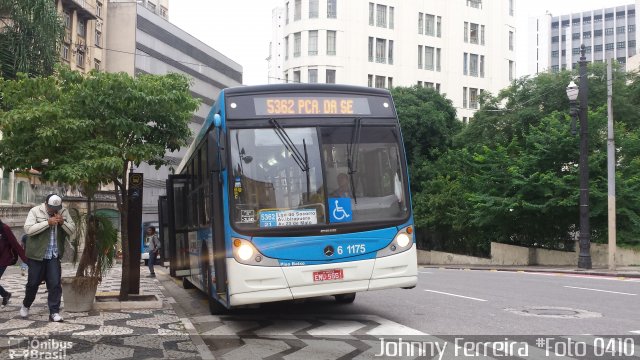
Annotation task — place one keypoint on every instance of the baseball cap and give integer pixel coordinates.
(54, 202)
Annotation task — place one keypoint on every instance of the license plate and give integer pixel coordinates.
(325, 275)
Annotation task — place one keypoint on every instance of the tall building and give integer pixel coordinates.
(85, 23)
(459, 47)
(140, 41)
(608, 33)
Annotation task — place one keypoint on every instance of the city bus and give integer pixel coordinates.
(292, 191)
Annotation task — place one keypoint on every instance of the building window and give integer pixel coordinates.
(597, 33)
(99, 9)
(331, 76)
(313, 42)
(163, 12)
(598, 48)
(439, 26)
(66, 19)
(473, 64)
(575, 51)
(511, 10)
(372, 7)
(65, 52)
(586, 20)
(286, 12)
(481, 66)
(620, 30)
(464, 97)
(473, 98)
(331, 42)
(314, 9)
(555, 53)
(297, 10)
(430, 25)
(381, 50)
(632, 43)
(620, 44)
(297, 39)
(511, 70)
(620, 15)
(380, 82)
(555, 68)
(575, 36)
(464, 64)
(608, 31)
(576, 22)
(419, 56)
(332, 9)
(597, 18)
(389, 82)
(370, 80)
(511, 40)
(82, 28)
(565, 23)
(474, 4)
(632, 28)
(381, 16)
(371, 49)
(390, 52)
(608, 46)
(466, 32)
(555, 25)
(296, 76)
(96, 64)
(438, 55)
(481, 34)
(98, 38)
(80, 59)
(286, 48)
(313, 76)
(586, 35)
(391, 18)
(151, 6)
(473, 33)
(420, 23)
(554, 39)
(428, 58)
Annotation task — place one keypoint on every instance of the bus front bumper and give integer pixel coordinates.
(258, 284)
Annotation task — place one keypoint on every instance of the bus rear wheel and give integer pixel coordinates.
(345, 298)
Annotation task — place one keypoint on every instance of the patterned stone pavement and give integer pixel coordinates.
(125, 334)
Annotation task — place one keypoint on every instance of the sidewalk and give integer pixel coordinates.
(140, 334)
(622, 272)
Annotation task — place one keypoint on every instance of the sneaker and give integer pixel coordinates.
(5, 299)
(152, 275)
(24, 311)
(55, 317)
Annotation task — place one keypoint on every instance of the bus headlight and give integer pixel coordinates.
(401, 242)
(245, 253)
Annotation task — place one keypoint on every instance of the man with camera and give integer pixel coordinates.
(48, 226)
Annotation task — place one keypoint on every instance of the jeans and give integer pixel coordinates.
(3, 292)
(49, 270)
(152, 260)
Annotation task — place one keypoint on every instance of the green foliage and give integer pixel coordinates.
(30, 35)
(100, 238)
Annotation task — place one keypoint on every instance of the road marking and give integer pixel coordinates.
(635, 332)
(425, 272)
(465, 297)
(607, 291)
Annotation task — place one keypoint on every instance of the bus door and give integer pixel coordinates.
(163, 228)
(177, 190)
(216, 164)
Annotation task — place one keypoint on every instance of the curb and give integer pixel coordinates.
(550, 271)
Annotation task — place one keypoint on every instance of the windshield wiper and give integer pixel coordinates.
(352, 160)
(298, 157)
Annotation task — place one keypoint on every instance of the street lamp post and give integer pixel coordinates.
(573, 93)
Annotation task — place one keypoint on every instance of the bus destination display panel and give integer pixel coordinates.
(280, 105)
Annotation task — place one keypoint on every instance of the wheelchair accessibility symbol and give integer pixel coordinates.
(340, 209)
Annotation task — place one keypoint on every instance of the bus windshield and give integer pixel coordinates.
(297, 177)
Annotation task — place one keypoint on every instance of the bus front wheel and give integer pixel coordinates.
(345, 298)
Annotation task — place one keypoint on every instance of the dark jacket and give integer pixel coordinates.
(7, 242)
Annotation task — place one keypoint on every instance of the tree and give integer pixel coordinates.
(90, 129)
(30, 35)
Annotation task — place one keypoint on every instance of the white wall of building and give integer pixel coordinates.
(353, 66)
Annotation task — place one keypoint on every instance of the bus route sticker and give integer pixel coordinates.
(340, 210)
(288, 218)
(247, 216)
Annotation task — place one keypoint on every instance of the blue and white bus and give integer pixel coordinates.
(292, 191)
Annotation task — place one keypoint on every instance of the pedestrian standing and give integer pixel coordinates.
(48, 226)
(154, 248)
(9, 247)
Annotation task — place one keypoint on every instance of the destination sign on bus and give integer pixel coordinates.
(311, 105)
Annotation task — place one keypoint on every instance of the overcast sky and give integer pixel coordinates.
(241, 29)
